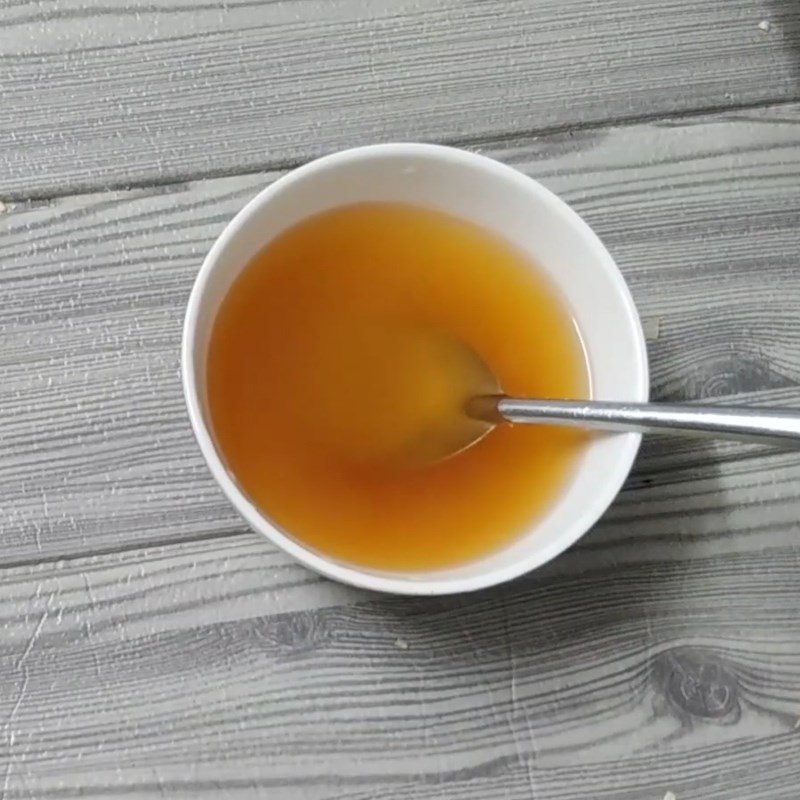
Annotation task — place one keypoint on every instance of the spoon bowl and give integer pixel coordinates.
(486, 407)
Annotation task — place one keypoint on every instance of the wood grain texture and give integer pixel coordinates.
(122, 93)
(97, 453)
(181, 671)
(152, 647)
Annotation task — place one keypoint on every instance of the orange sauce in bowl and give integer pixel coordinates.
(313, 380)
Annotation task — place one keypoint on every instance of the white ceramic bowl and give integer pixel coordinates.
(516, 207)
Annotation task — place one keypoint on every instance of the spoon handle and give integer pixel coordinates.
(749, 423)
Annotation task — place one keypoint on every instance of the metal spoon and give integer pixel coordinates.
(486, 409)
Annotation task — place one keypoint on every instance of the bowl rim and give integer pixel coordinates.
(413, 583)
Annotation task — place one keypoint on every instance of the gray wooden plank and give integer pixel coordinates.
(125, 93)
(97, 453)
(169, 672)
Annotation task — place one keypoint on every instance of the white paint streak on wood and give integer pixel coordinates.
(652, 328)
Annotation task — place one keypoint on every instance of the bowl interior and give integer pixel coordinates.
(519, 209)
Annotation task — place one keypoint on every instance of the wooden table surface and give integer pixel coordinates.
(152, 646)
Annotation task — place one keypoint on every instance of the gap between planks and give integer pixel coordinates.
(490, 142)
